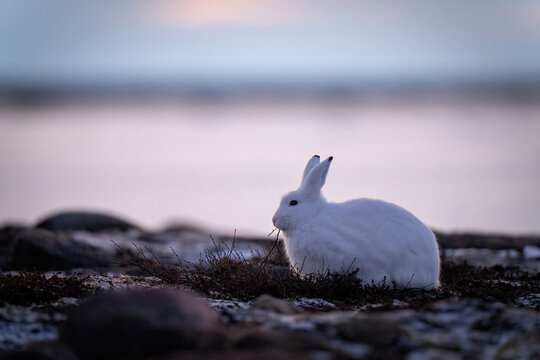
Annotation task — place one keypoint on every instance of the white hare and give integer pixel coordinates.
(383, 241)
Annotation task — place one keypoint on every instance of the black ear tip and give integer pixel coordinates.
(330, 158)
(317, 156)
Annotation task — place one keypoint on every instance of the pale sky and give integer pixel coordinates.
(205, 41)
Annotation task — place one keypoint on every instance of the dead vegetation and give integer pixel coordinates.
(224, 272)
(27, 288)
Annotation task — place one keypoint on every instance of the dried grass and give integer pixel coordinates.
(224, 272)
(28, 288)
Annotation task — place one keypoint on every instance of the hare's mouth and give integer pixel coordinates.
(282, 223)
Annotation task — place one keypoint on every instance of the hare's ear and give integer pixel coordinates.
(317, 176)
(314, 161)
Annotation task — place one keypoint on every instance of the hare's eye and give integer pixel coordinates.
(293, 202)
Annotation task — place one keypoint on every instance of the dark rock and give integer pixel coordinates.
(272, 304)
(87, 221)
(463, 328)
(8, 234)
(304, 344)
(138, 323)
(39, 249)
(377, 332)
(485, 241)
(295, 342)
(41, 351)
(244, 354)
(521, 346)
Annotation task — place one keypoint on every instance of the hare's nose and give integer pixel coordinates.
(274, 220)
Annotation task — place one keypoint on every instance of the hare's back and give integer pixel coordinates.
(372, 216)
(375, 211)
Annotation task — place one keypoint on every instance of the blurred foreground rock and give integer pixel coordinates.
(41, 351)
(137, 323)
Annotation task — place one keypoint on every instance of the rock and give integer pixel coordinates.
(484, 257)
(304, 345)
(87, 221)
(523, 346)
(485, 241)
(8, 234)
(290, 342)
(138, 323)
(472, 329)
(243, 354)
(377, 332)
(41, 351)
(272, 304)
(21, 326)
(39, 249)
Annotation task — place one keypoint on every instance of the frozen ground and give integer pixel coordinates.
(449, 329)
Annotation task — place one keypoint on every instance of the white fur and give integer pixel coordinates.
(382, 240)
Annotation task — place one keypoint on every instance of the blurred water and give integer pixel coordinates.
(455, 164)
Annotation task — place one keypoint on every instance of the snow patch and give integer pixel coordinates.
(313, 302)
(531, 252)
(221, 304)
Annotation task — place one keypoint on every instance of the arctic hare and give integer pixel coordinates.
(383, 241)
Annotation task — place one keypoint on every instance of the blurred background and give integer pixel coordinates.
(206, 111)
